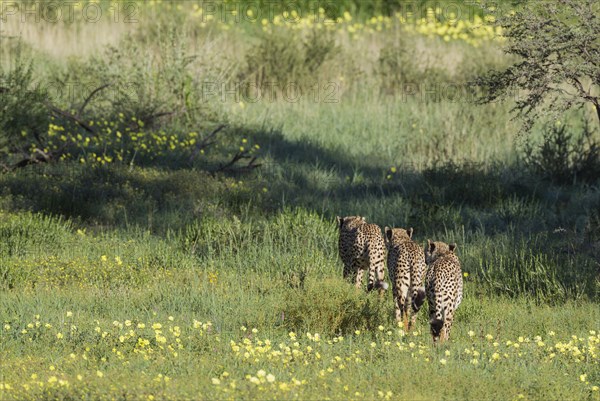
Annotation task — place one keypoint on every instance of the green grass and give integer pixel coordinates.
(90, 252)
(276, 275)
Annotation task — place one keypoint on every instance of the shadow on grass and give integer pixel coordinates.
(171, 194)
(507, 223)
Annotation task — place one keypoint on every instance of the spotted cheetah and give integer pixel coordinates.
(361, 246)
(406, 266)
(444, 287)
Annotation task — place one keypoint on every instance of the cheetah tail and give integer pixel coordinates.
(436, 327)
(418, 299)
(382, 285)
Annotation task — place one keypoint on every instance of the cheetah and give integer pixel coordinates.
(361, 246)
(406, 266)
(444, 287)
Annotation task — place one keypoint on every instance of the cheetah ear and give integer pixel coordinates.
(388, 233)
(452, 247)
(340, 221)
(363, 219)
(410, 232)
(430, 246)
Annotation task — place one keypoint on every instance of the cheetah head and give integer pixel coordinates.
(397, 235)
(350, 222)
(437, 249)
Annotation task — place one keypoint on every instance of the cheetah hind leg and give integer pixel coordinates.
(348, 273)
(408, 319)
(359, 277)
(398, 311)
(376, 266)
(448, 325)
(412, 322)
(403, 293)
(371, 283)
(358, 267)
(418, 298)
(444, 335)
(405, 321)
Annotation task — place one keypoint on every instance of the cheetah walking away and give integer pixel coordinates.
(444, 287)
(361, 247)
(406, 266)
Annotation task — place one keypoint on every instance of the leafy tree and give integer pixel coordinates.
(558, 64)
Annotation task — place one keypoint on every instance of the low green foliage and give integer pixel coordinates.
(341, 311)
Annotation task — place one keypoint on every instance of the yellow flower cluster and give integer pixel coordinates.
(472, 32)
(225, 15)
(122, 141)
(115, 141)
(472, 29)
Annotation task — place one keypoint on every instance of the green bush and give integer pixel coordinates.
(401, 64)
(143, 89)
(284, 58)
(343, 310)
(563, 156)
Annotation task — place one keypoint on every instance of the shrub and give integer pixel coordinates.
(332, 306)
(23, 114)
(145, 84)
(282, 59)
(401, 64)
(564, 157)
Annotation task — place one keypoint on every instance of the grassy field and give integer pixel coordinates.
(131, 269)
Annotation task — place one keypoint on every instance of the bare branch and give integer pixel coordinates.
(582, 91)
(39, 157)
(148, 119)
(85, 103)
(71, 117)
(206, 141)
(229, 166)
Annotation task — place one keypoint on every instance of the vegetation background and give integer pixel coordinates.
(172, 173)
